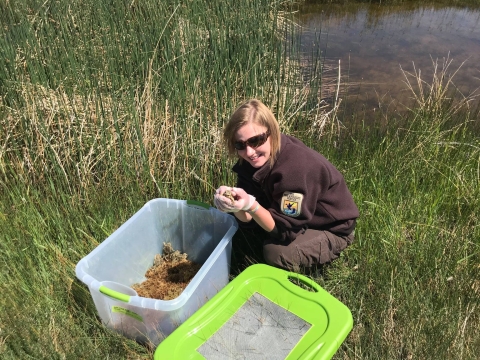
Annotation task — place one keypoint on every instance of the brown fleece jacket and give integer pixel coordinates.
(302, 190)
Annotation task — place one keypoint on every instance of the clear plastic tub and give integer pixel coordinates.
(120, 261)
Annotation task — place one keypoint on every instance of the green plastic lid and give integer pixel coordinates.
(257, 314)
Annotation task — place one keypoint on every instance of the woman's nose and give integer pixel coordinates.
(249, 150)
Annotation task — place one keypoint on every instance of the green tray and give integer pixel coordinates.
(328, 321)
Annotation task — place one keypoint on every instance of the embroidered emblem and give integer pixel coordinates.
(292, 203)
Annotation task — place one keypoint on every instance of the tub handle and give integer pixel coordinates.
(114, 294)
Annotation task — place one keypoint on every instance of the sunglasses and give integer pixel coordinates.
(253, 142)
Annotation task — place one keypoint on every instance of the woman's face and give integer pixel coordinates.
(258, 156)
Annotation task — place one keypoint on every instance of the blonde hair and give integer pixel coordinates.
(253, 112)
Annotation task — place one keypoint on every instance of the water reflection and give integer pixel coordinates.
(375, 42)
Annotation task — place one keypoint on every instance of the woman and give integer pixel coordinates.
(296, 195)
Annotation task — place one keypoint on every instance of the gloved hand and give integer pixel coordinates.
(221, 202)
(241, 200)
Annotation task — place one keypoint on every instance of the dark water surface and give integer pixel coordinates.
(373, 43)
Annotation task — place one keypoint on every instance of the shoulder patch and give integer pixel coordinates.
(291, 204)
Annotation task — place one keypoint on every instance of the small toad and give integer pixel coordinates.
(228, 194)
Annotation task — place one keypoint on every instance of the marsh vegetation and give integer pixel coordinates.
(105, 105)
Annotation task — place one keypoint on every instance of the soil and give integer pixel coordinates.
(168, 276)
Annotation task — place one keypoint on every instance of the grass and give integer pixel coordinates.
(127, 104)
(411, 279)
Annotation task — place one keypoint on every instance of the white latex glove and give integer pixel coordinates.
(243, 201)
(221, 202)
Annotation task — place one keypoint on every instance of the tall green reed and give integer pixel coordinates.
(105, 90)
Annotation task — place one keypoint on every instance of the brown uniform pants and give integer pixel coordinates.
(310, 249)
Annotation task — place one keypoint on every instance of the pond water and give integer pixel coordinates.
(374, 44)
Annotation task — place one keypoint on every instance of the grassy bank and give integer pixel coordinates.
(107, 105)
(412, 277)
